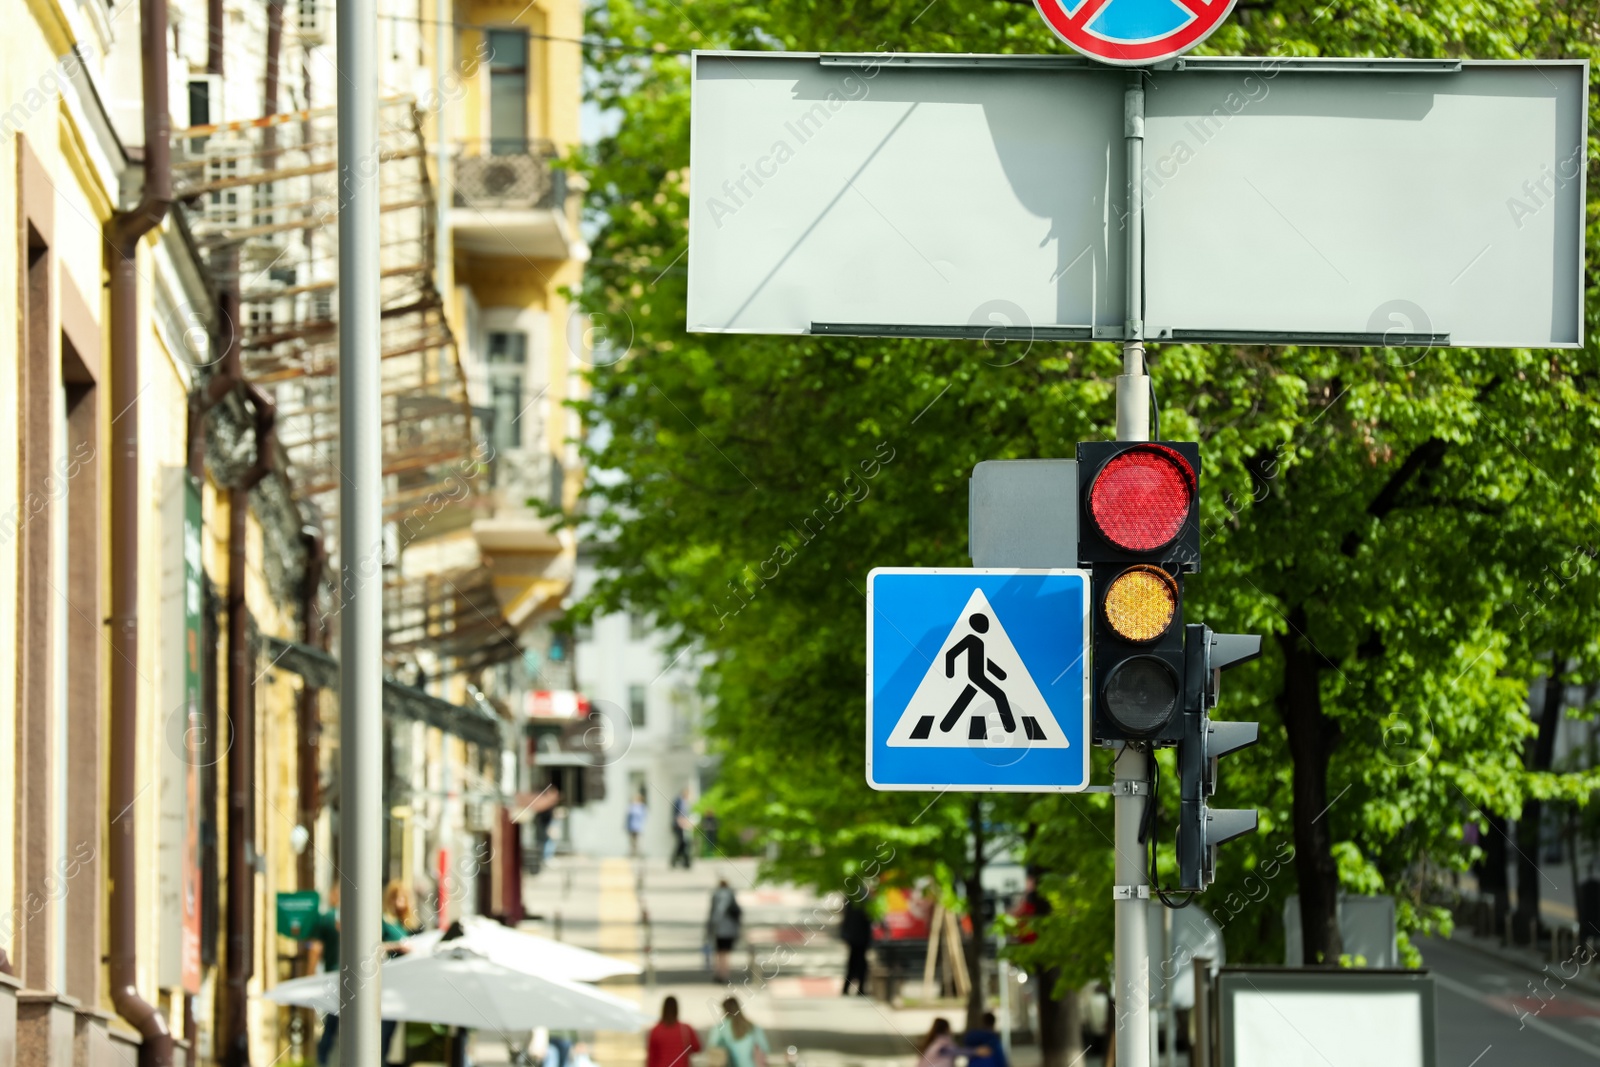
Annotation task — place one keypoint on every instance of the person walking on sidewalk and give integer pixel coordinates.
(324, 951)
(399, 922)
(671, 1042)
(938, 1049)
(855, 929)
(682, 828)
(638, 815)
(745, 1042)
(722, 926)
(983, 1046)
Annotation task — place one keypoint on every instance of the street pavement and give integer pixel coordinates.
(788, 970)
(1496, 1007)
(1503, 1009)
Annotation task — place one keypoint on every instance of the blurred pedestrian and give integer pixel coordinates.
(682, 828)
(581, 1056)
(671, 1042)
(324, 951)
(399, 923)
(983, 1045)
(938, 1049)
(722, 926)
(745, 1042)
(855, 929)
(709, 825)
(638, 815)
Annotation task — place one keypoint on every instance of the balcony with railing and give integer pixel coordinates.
(510, 198)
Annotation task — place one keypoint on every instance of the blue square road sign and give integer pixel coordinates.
(978, 679)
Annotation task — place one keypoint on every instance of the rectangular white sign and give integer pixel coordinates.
(1359, 202)
(849, 190)
(1300, 204)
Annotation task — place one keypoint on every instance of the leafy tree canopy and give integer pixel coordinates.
(1416, 533)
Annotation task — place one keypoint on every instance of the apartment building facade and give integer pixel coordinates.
(168, 522)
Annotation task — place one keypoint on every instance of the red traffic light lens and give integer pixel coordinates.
(1140, 499)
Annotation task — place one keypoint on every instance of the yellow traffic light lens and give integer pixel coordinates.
(1141, 603)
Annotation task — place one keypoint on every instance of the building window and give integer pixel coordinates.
(199, 102)
(636, 704)
(223, 204)
(638, 626)
(508, 92)
(507, 356)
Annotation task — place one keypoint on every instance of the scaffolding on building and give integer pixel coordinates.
(261, 199)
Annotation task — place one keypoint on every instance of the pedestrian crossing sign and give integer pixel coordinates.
(978, 679)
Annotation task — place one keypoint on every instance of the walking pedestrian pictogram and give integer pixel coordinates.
(961, 662)
(977, 658)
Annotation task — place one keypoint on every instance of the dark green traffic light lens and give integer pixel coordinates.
(1141, 694)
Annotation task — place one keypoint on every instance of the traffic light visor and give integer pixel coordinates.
(1141, 497)
(1141, 694)
(1141, 602)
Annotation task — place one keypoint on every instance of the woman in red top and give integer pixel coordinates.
(671, 1042)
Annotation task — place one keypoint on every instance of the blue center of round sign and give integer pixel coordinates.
(1133, 32)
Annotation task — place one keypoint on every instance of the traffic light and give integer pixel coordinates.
(1138, 532)
(1201, 828)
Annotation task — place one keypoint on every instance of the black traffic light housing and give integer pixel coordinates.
(1201, 828)
(1126, 671)
(1148, 536)
(1094, 546)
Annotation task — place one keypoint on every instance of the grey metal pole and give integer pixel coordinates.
(1133, 386)
(1204, 1023)
(444, 56)
(1132, 769)
(360, 541)
(1169, 1014)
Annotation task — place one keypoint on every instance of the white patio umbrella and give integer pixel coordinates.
(455, 986)
(526, 952)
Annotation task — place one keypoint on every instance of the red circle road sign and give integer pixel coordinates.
(1133, 32)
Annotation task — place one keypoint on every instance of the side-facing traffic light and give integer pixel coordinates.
(1201, 828)
(1138, 533)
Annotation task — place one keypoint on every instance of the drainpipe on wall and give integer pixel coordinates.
(314, 632)
(242, 746)
(123, 233)
(229, 374)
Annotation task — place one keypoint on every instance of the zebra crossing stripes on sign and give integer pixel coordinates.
(977, 679)
(976, 688)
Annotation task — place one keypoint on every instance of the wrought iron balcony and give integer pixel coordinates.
(511, 201)
(511, 174)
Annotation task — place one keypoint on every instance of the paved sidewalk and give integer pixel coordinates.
(788, 970)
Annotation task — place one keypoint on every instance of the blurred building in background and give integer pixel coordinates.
(646, 699)
(169, 504)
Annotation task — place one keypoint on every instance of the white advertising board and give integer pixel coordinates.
(859, 191)
(1301, 204)
(1359, 202)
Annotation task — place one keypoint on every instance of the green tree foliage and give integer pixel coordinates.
(1415, 532)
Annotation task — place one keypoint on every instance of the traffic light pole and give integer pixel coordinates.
(1131, 775)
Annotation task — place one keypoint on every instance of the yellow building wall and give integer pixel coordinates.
(37, 33)
(161, 413)
(277, 797)
(25, 50)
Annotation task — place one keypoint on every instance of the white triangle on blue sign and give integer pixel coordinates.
(958, 703)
